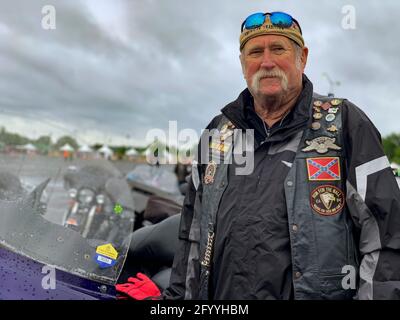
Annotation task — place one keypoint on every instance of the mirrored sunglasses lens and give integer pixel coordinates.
(255, 20)
(281, 19)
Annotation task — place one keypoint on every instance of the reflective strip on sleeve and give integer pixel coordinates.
(366, 169)
(367, 271)
(370, 239)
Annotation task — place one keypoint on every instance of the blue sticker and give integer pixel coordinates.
(104, 262)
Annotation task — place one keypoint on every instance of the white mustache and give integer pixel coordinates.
(276, 73)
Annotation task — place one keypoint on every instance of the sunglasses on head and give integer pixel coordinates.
(278, 19)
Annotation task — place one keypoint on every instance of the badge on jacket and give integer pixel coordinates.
(332, 128)
(323, 169)
(221, 146)
(326, 106)
(321, 144)
(336, 102)
(327, 200)
(227, 126)
(210, 172)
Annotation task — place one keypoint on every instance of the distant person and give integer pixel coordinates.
(66, 155)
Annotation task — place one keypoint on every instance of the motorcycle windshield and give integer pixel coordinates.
(38, 232)
(159, 177)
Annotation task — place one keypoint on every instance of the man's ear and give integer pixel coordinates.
(242, 64)
(304, 56)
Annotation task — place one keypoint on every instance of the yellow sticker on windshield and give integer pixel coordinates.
(107, 250)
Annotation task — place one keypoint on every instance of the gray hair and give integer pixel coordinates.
(298, 51)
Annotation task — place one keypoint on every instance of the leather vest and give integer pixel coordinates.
(321, 230)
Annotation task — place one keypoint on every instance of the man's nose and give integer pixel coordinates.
(267, 60)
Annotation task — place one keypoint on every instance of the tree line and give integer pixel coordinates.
(44, 144)
(391, 145)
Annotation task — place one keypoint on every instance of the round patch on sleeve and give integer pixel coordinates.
(327, 200)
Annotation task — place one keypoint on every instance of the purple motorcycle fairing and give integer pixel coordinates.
(21, 279)
(28, 242)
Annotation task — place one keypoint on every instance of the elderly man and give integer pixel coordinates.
(317, 217)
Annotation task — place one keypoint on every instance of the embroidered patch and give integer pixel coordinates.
(327, 200)
(323, 169)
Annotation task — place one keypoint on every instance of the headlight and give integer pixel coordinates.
(100, 199)
(85, 196)
(72, 193)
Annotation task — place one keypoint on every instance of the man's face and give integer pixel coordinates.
(271, 66)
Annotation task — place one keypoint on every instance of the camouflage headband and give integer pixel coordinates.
(293, 32)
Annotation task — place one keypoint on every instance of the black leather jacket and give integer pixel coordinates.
(287, 230)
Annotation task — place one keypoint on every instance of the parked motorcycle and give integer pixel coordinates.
(40, 259)
(100, 202)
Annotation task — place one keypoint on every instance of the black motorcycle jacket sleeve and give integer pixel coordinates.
(373, 199)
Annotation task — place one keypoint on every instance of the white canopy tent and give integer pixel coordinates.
(85, 149)
(131, 152)
(67, 147)
(28, 147)
(105, 151)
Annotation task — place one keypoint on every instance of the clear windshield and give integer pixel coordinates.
(160, 177)
(34, 205)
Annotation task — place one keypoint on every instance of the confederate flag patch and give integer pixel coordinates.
(323, 169)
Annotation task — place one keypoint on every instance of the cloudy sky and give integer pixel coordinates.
(114, 69)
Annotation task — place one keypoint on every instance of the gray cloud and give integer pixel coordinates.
(124, 67)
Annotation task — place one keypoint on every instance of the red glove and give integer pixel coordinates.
(140, 288)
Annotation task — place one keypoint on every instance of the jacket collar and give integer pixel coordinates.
(238, 112)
